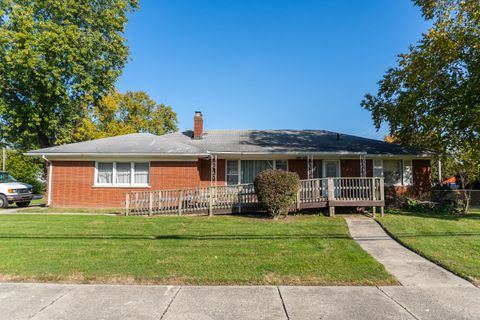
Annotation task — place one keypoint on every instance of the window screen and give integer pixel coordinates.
(392, 172)
(377, 168)
(142, 175)
(251, 168)
(281, 165)
(105, 173)
(124, 171)
(232, 172)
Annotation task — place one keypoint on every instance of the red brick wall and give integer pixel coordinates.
(422, 175)
(72, 183)
(205, 169)
(351, 168)
(299, 166)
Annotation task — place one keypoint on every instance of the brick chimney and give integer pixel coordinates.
(197, 125)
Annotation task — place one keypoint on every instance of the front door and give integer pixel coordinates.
(331, 169)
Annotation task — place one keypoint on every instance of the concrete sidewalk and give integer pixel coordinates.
(56, 301)
(409, 268)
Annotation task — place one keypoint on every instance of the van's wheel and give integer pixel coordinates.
(3, 201)
(23, 204)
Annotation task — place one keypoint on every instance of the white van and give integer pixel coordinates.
(13, 191)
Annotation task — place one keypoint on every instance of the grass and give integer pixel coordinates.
(35, 202)
(309, 250)
(38, 206)
(75, 210)
(452, 241)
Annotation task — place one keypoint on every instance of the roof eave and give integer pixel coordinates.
(114, 154)
(323, 153)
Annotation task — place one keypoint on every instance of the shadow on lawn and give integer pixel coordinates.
(437, 215)
(436, 234)
(178, 237)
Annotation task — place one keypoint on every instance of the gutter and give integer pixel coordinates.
(305, 154)
(209, 153)
(106, 154)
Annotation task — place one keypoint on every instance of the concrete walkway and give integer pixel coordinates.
(409, 268)
(57, 301)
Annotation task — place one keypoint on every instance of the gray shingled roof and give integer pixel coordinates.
(136, 143)
(235, 141)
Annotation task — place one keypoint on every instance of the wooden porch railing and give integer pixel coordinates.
(313, 193)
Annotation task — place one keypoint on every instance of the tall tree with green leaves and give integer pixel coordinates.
(432, 97)
(118, 113)
(56, 57)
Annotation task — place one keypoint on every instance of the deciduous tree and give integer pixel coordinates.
(119, 113)
(432, 97)
(56, 56)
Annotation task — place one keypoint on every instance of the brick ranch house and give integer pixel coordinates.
(98, 173)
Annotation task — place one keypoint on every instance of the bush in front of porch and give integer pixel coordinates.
(277, 190)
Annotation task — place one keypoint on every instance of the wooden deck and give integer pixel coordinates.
(313, 193)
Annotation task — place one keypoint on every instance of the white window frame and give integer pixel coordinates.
(239, 175)
(132, 168)
(324, 167)
(114, 183)
(275, 164)
(401, 184)
(406, 181)
(380, 166)
(240, 168)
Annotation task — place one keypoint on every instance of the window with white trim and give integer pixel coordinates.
(141, 173)
(281, 165)
(122, 173)
(104, 173)
(377, 168)
(232, 172)
(407, 172)
(392, 172)
(245, 171)
(251, 168)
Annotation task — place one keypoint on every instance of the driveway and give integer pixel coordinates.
(57, 301)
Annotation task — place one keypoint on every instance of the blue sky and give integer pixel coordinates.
(268, 64)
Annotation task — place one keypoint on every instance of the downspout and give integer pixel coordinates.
(50, 168)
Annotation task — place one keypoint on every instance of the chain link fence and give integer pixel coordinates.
(455, 198)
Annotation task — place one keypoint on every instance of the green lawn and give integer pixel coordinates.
(184, 250)
(38, 206)
(452, 241)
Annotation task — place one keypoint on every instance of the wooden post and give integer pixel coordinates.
(331, 196)
(298, 204)
(374, 211)
(210, 201)
(180, 202)
(374, 191)
(382, 189)
(150, 203)
(239, 196)
(331, 211)
(127, 203)
(382, 196)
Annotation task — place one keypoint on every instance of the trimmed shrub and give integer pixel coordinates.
(277, 190)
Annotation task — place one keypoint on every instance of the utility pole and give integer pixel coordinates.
(4, 158)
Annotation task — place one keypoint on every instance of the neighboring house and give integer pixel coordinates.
(98, 173)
